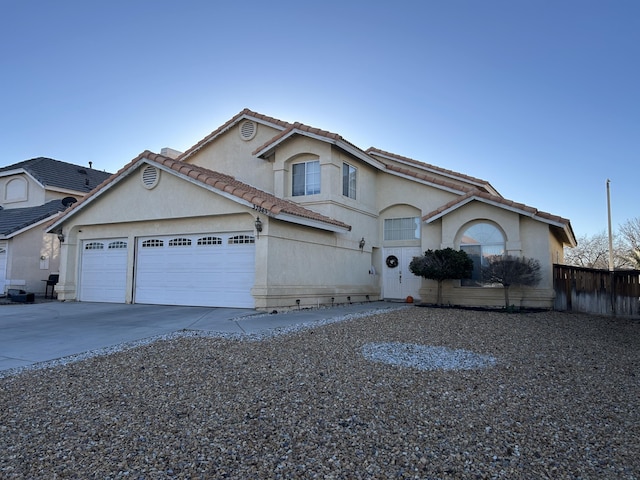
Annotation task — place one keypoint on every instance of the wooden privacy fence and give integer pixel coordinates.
(596, 291)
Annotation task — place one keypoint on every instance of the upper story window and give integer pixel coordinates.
(305, 178)
(348, 180)
(402, 228)
(480, 241)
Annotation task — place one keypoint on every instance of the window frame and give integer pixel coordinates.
(402, 230)
(311, 181)
(481, 250)
(349, 180)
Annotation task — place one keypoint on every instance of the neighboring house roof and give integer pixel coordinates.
(56, 174)
(562, 223)
(15, 220)
(226, 185)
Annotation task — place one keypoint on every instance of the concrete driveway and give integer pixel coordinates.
(42, 332)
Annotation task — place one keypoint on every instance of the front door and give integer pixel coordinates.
(398, 281)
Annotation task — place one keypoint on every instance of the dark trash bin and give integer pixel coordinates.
(21, 296)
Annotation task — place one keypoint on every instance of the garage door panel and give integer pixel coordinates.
(203, 270)
(103, 271)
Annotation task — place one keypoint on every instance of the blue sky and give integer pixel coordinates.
(540, 98)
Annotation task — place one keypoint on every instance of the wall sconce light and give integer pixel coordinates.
(61, 237)
(258, 225)
(361, 244)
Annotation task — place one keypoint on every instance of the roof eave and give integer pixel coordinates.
(343, 145)
(67, 190)
(121, 175)
(308, 222)
(288, 217)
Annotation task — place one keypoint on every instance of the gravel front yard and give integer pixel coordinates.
(550, 395)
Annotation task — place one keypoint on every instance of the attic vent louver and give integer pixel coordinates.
(150, 176)
(248, 130)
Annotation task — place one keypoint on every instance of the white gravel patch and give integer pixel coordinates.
(426, 357)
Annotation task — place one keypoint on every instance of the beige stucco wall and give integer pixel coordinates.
(523, 237)
(32, 256)
(230, 154)
(310, 265)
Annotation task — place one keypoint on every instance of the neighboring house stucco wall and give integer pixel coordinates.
(27, 267)
(34, 193)
(30, 195)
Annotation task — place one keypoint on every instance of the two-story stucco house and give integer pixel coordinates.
(32, 193)
(268, 214)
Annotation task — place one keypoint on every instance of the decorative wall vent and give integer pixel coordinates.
(150, 176)
(248, 130)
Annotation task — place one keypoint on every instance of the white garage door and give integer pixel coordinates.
(103, 270)
(211, 270)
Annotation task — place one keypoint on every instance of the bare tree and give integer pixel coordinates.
(509, 270)
(630, 236)
(593, 252)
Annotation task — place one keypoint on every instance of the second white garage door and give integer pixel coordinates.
(212, 270)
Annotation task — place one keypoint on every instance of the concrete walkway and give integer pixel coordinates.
(41, 332)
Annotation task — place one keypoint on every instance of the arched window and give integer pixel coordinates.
(480, 241)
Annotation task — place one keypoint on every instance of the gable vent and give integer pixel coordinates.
(248, 130)
(150, 176)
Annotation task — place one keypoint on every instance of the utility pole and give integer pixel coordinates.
(610, 233)
(612, 276)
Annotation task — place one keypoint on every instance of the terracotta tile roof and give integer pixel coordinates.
(376, 151)
(220, 181)
(499, 200)
(301, 128)
(236, 118)
(431, 179)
